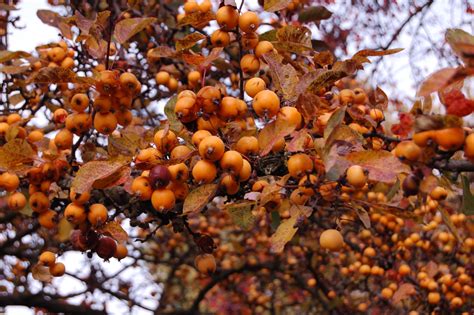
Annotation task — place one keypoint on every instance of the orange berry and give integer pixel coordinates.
(121, 252)
(103, 103)
(57, 270)
(356, 177)
(204, 172)
(75, 213)
(179, 172)
(387, 293)
(220, 38)
(39, 202)
(422, 138)
(254, 85)
(142, 188)
(47, 219)
(232, 161)
(230, 184)
(79, 102)
(16, 201)
(105, 123)
(162, 78)
(450, 138)
(9, 181)
(408, 150)
(199, 135)
(434, 297)
(249, 64)
(163, 199)
(299, 164)
(331, 239)
(290, 115)
(63, 139)
(79, 199)
(211, 148)
(249, 22)
(247, 145)
(227, 17)
(47, 258)
(469, 146)
(97, 214)
(165, 142)
(249, 40)
(262, 48)
(266, 103)
(245, 172)
(205, 264)
(35, 136)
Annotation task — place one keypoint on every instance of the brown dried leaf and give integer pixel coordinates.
(41, 273)
(441, 79)
(462, 43)
(64, 230)
(199, 198)
(362, 55)
(161, 52)
(116, 231)
(54, 19)
(116, 179)
(197, 19)
(6, 55)
(127, 28)
(295, 39)
(335, 120)
(284, 77)
(241, 213)
(16, 155)
(273, 132)
(324, 58)
(404, 291)
(94, 171)
(325, 79)
(314, 14)
(189, 41)
(55, 75)
(275, 5)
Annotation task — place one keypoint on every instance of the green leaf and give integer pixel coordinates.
(127, 28)
(241, 213)
(467, 198)
(199, 198)
(314, 14)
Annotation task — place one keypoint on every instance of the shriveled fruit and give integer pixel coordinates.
(106, 247)
(331, 239)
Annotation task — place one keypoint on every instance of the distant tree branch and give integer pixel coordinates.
(454, 166)
(41, 301)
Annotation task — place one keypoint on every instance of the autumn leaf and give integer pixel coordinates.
(379, 99)
(199, 198)
(6, 55)
(189, 41)
(270, 191)
(325, 79)
(295, 39)
(272, 133)
(96, 171)
(115, 230)
(241, 213)
(299, 141)
(362, 214)
(314, 14)
(462, 43)
(362, 55)
(64, 230)
(275, 5)
(116, 179)
(288, 228)
(439, 80)
(347, 135)
(161, 52)
(16, 155)
(41, 273)
(324, 58)
(335, 120)
(53, 75)
(54, 19)
(127, 28)
(174, 122)
(285, 77)
(197, 19)
(405, 290)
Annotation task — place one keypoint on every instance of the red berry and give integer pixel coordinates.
(106, 247)
(159, 176)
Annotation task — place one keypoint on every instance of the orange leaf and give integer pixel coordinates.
(189, 41)
(285, 77)
(273, 132)
(15, 156)
(462, 44)
(275, 5)
(197, 19)
(10, 55)
(51, 75)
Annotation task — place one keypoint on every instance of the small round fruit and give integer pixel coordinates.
(204, 172)
(97, 214)
(35, 136)
(16, 201)
(356, 177)
(121, 252)
(262, 48)
(165, 142)
(227, 17)
(439, 193)
(254, 85)
(9, 181)
(63, 139)
(247, 145)
(346, 96)
(299, 165)
(450, 138)
(249, 40)
(180, 153)
(386, 293)
(232, 161)
(47, 219)
(408, 150)
(249, 22)
(266, 103)
(220, 38)
(142, 188)
(211, 148)
(230, 184)
(57, 270)
(404, 270)
(205, 264)
(79, 102)
(194, 77)
(331, 239)
(106, 247)
(245, 172)
(375, 113)
(39, 202)
(291, 115)
(469, 146)
(105, 123)
(434, 298)
(75, 213)
(79, 199)
(199, 135)
(162, 78)
(163, 199)
(249, 64)
(47, 258)
(191, 6)
(422, 138)
(159, 176)
(179, 172)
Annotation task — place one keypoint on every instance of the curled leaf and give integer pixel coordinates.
(95, 171)
(199, 198)
(127, 28)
